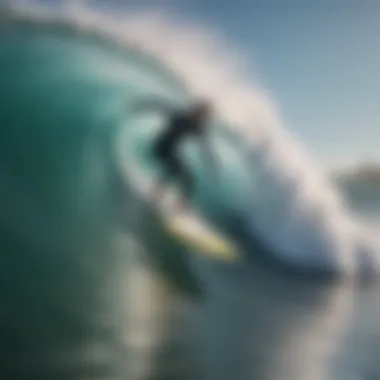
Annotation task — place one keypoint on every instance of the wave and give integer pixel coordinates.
(267, 178)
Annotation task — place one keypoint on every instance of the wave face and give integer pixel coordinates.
(74, 61)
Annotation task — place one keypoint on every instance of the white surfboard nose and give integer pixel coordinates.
(192, 231)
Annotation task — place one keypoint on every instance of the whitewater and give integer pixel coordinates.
(268, 179)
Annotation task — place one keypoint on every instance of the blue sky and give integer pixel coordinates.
(320, 60)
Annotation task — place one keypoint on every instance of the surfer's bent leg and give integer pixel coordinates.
(183, 174)
(173, 169)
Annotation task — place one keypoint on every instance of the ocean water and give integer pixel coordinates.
(93, 287)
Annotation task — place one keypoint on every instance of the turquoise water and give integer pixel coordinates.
(61, 194)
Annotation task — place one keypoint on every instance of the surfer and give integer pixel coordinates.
(180, 125)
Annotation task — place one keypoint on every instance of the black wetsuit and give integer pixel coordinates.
(166, 148)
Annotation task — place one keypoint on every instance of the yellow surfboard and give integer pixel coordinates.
(191, 231)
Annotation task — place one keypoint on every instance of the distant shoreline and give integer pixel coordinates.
(361, 172)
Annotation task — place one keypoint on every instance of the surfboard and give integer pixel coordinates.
(190, 230)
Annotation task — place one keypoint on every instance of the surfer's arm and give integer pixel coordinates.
(151, 105)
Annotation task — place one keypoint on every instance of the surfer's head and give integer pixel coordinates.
(201, 110)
